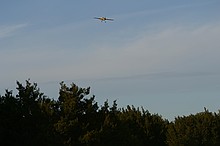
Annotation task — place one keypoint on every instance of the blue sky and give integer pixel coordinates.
(162, 55)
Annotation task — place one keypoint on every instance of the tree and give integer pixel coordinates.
(76, 114)
(25, 118)
(201, 129)
(10, 117)
(31, 118)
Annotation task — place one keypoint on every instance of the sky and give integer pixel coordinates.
(156, 54)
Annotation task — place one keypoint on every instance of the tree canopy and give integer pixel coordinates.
(75, 119)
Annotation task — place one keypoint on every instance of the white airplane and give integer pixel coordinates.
(103, 19)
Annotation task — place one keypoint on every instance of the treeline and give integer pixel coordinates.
(75, 119)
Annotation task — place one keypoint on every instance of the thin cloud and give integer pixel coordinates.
(6, 31)
(175, 49)
(160, 75)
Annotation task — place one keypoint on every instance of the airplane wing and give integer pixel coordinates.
(109, 19)
(96, 18)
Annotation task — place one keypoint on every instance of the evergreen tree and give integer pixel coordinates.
(201, 129)
(24, 120)
(75, 115)
(30, 118)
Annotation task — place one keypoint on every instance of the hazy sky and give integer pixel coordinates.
(160, 54)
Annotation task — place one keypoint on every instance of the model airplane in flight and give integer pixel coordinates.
(103, 19)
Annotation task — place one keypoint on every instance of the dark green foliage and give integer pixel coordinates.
(76, 114)
(26, 118)
(202, 129)
(142, 128)
(30, 118)
(9, 119)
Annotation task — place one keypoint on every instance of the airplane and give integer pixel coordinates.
(104, 19)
